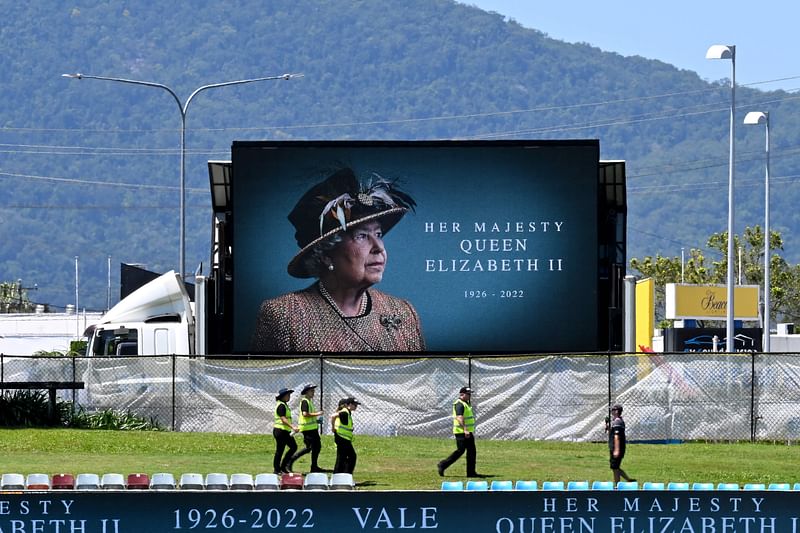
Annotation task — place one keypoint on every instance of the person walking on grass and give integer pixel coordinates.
(615, 427)
(343, 436)
(464, 433)
(309, 424)
(282, 431)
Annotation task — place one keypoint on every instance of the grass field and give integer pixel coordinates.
(390, 463)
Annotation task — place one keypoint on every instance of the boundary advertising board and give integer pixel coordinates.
(500, 253)
(332, 512)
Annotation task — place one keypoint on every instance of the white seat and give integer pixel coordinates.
(342, 481)
(112, 481)
(267, 482)
(241, 482)
(192, 481)
(216, 481)
(87, 482)
(12, 482)
(316, 481)
(162, 481)
(37, 482)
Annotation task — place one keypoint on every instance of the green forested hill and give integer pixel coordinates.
(91, 168)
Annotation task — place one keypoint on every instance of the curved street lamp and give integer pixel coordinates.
(752, 118)
(182, 107)
(722, 51)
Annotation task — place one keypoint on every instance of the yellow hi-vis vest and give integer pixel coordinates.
(278, 422)
(344, 430)
(469, 418)
(307, 423)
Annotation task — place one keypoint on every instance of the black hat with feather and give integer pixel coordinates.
(339, 203)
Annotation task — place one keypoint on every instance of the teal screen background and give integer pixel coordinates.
(464, 185)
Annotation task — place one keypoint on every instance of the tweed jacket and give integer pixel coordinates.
(303, 321)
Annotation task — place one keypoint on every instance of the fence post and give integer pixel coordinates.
(608, 373)
(753, 397)
(469, 371)
(173, 391)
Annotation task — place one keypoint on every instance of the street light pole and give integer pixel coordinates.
(721, 51)
(762, 117)
(182, 107)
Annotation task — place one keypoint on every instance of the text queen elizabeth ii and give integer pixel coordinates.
(339, 226)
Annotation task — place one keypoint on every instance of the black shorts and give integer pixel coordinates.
(615, 462)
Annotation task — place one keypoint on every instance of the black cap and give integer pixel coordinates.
(352, 400)
(616, 407)
(465, 390)
(282, 392)
(308, 388)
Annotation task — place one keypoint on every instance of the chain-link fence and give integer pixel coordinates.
(672, 396)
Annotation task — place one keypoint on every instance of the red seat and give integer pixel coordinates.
(291, 481)
(63, 481)
(138, 481)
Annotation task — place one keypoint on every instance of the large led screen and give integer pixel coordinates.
(497, 250)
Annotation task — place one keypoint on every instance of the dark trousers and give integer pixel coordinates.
(312, 443)
(463, 444)
(345, 456)
(283, 441)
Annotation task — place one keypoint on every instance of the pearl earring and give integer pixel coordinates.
(330, 267)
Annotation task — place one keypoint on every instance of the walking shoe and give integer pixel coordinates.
(440, 468)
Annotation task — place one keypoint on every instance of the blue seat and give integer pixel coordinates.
(578, 485)
(552, 485)
(628, 485)
(779, 486)
(754, 486)
(727, 486)
(502, 485)
(474, 484)
(652, 485)
(677, 485)
(702, 486)
(524, 484)
(602, 485)
(796, 486)
(452, 485)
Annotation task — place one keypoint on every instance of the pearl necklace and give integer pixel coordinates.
(325, 294)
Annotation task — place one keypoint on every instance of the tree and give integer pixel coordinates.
(14, 298)
(784, 278)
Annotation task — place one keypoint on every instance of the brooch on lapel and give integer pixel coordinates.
(391, 321)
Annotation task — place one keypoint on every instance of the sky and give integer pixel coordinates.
(676, 31)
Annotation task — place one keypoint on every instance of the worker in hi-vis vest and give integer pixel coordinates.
(309, 422)
(343, 430)
(282, 430)
(464, 432)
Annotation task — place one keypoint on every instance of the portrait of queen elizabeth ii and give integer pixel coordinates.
(340, 226)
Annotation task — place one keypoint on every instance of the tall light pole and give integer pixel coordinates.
(182, 107)
(722, 51)
(762, 117)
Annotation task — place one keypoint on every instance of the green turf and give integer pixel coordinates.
(387, 463)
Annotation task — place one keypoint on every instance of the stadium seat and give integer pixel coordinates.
(162, 481)
(241, 482)
(63, 481)
(524, 484)
(291, 481)
(191, 481)
(552, 485)
(678, 485)
(138, 481)
(755, 486)
(577, 485)
(702, 486)
(316, 481)
(452, 485)
(502, 485)
(342, 481)
(652, 485)
(12, 482)
(628, 485)
(796, 486)
(779, 486)
(602, 485)
(216, 481)
(112, 482)
(37, 482)
(87, 481)
(727, 486)
(477, 485)
(267, 482)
